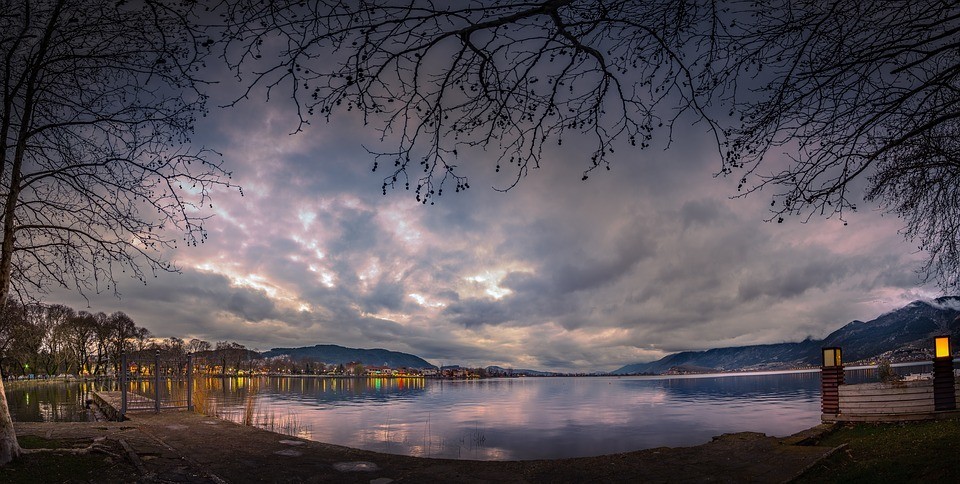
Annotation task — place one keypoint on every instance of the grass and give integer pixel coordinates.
(34, 442)
(898, 452)
(54, 467)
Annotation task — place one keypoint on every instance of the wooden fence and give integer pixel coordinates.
(888, 402)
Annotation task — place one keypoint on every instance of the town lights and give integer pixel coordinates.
(831, 357)
(942, 346)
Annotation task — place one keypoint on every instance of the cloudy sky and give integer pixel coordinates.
(650, 258)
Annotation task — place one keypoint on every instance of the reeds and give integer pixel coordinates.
(255, 416)
(249, 408)
(251, 414)
(202, 401)
(289, 424)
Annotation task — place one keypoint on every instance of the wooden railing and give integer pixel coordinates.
(887, 402)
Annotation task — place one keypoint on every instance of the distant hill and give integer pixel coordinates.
(496, 370)
(905, 331)
(335, 355)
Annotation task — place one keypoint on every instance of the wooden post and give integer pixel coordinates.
(944, 396)
(831, 377)
(944, 391)
(156, 379)
(190, 382)
(123, 384)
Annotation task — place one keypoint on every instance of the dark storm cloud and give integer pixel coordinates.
(592, 272)
(476, 312)
(385, 294)
(700, 212)
(789, 281)
(253, 306)
(558, 273)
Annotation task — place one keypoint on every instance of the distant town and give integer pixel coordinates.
(42, 341)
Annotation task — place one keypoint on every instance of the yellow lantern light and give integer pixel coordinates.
(942, 346)
(831, 357)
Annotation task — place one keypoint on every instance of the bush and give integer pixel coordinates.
(886, 373)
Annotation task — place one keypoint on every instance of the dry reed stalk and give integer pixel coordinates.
(249, 411)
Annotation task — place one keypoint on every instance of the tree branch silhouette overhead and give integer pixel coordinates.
(97, 174)
(820, 105)
(824, 104)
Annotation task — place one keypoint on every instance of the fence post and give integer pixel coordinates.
(190, 382)
(123, 384)
(944, 392)
(156, 379)
(831, 377)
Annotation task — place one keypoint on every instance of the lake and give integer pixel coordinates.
(50, 401)
(493, 419)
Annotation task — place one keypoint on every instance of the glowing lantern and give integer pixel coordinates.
(942, 346)
(831, 357)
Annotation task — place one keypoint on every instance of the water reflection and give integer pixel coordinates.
(50, 401)
(526, 418)
(500, 419)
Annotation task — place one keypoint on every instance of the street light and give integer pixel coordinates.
(831, 377)
(944, 388)
(942, 346)
(832, 357)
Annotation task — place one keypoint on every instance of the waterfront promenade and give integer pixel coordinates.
(180, 446)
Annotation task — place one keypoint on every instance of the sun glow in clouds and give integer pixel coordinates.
(306, 218)
(256, 281)
(489, 281)
(398, 221)
(311, 244)
(327, 278)
(423, 301)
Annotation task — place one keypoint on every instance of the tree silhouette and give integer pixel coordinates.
(821, 103)
(505, 76)
(99, 101)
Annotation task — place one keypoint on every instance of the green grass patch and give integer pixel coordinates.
(898, 452)
(34, 442)
(56, 467)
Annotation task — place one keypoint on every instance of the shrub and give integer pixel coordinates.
(886, 373)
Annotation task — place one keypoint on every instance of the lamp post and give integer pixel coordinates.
(944, 396)
(831, 377)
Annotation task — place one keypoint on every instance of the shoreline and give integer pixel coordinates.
(215, 450)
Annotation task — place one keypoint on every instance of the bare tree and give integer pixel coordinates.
(196, 345)
(96, 176)
(101, 332)
(862, 97)
(52, 321)
(823, 104)
(507, 76)
(28, 340)
(176, 349)
(123, 338)
(12, 316)
(81, 336)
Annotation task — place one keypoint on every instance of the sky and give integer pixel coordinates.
(650, 258)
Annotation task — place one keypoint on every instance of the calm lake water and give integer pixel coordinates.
(495, 419)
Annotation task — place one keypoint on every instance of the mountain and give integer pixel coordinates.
(496, 370)
(905, 331)
(335, 354)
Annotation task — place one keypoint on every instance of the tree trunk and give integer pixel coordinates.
(9, 447)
